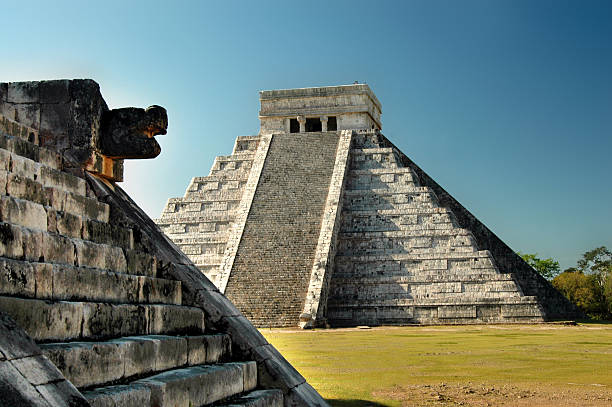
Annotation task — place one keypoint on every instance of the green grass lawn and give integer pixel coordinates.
(367, 365)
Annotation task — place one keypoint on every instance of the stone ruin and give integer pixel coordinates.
(320, 220)
(97, 307)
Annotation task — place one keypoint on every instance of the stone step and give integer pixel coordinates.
(47, 176)
(396, 297)
(387, 191)
(245, 144)
(18, 187)
(212, 209)
(380, 171)
(393, 224)
(214, 195)
(405, 234)
(397, 212)
(371, 150)
(216, 185)
(186, 387)
(478, 256)
(22, 146)
(241, 176)
(401, 249)
(200, 238)
(194, 217)
(202, 249)
(258, 398)
(63, 282)
(345, 279)
(88, 364)
(47, 321)
(32, 244)
(337, 304)
(241, 156)
(188, 228)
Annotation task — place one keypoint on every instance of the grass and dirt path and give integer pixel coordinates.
(498, 365)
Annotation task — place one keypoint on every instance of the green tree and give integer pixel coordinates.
(597, 262)
(581, 289)
(548, 268)
(589, 284)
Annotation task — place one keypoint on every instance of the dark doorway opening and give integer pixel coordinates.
(313, 124)
(294, 126)
(332, 125)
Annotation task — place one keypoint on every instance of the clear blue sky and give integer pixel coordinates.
(507, 104)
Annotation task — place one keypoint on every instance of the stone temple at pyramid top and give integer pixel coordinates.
(328, 108)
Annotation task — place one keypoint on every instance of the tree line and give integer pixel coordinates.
(588, 284)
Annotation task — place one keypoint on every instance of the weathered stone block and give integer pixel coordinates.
(25, 188)
(11, 241)
(101, 232)
(57, 248)
(37, 369)
(198, 385)
(85, 206)
(16, 390)
(50, 177)
(457, 311)
(45, 321)
(23, 92)
(170, 351)
(27, 114)
(56, 91)
(21, 212)
(14, 343)
(110, 320)
(157, 290)
(61, 394)
(63, 223)
(23, 166)
(520, 310)
(166, 319)
(100, 256)
(17, 278)
(140, 263)
(50, 158)
(87, 363)
(139, 354)
(73, 283)
(123, 395)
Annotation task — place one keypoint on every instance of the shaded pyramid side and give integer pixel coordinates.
(407, 252)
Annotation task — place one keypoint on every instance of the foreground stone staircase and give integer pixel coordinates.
(95, 304)
(98, 308)
(402, 258)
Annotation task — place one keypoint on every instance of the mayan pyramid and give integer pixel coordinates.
(321, 220)
(97, 307)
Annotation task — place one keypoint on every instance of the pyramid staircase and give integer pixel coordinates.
(199, 223)
(103, 308)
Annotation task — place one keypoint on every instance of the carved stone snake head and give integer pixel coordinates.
(129, 132)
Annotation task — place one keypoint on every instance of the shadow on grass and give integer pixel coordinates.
(595, 321)
(354, 403)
